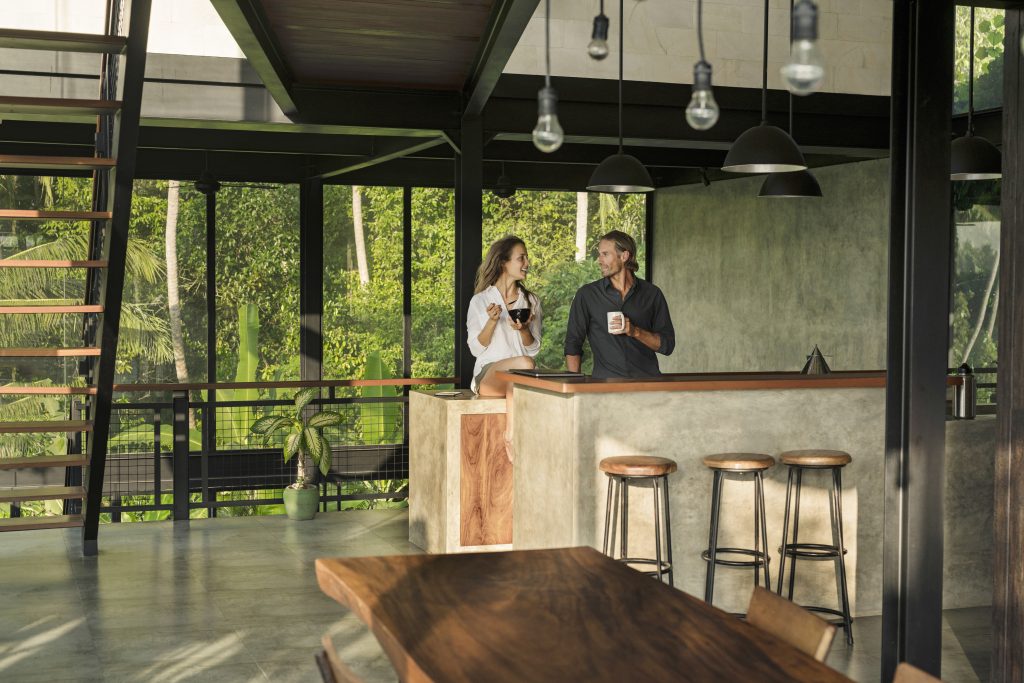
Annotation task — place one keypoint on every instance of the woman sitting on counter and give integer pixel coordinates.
(503, 321)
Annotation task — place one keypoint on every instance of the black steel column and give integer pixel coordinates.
(112, 288)
(407, 282)
(468, 237)
(1008, 551)
(649, 236)
(920, 224)
(311, 277)
(210, 412)
(180, 456)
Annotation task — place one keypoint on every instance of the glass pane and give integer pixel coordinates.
(988, 58)
(561, 231)
(362, 280)
(433, 282)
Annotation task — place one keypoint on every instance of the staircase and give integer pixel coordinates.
(112, 165)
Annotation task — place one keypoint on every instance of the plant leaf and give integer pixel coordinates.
(291, 445)
(313, 442)
(325, 457)
(326, 418)
(269, 424)
(304, 396)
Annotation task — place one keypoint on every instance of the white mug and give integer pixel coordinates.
(619, 320)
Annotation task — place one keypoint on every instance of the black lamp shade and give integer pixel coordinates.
(974, 158)
(621, 174)
(792, 184)
(764, 149)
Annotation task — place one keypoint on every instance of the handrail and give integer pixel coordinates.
(286, 384)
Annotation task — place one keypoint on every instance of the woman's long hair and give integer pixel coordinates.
(490, 270)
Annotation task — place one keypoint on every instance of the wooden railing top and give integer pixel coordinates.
(286, 384)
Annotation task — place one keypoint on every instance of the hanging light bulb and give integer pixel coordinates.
(547, 134)
(598, 47)
(805, 70)
(702, 111)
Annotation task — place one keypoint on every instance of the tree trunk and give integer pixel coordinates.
(357, 223)
(582, 204)
(173, 298)
(984, 308)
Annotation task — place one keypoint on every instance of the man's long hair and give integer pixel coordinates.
(624, 242)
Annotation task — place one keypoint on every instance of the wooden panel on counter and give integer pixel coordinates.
(486, 482)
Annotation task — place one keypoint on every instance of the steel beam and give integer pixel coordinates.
(311, 278)
(509, 19)
(386, 150)
(468, 238)
(251, 30)
(918, 330)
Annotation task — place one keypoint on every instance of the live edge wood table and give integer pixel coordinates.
(550, 615)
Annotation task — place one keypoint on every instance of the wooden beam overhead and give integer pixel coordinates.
(250, 28)
(508, 21)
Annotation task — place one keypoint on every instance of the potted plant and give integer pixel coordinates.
(303, 436)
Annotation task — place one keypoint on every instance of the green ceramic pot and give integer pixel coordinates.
(301, 503)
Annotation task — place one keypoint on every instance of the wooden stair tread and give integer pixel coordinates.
(48, 352)
(45, 310)
(55, 108)
(36, 215)
(40, 263)
(45, 427)
(61, 41)
(30, 523)
(28, 493)
(52, 391)
(43, 461)
(55, 162)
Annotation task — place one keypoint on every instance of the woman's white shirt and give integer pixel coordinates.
(506, 342)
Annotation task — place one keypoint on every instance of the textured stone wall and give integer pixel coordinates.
(753, 284)
(661, 42)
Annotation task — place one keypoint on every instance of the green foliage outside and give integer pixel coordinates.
(989, 31)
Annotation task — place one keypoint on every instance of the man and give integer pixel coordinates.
(643, 328)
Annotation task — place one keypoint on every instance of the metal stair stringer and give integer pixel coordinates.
(112, 245)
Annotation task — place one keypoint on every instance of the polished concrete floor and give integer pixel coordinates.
(235, 599)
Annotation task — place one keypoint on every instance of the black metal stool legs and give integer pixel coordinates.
(759, 558)
(617, 512)
(795, 550)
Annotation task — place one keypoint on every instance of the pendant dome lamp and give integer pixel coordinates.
(621, 173)
(972, 157)
(794, 183)
(764, 148)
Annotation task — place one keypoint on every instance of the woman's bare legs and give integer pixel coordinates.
(490, 385)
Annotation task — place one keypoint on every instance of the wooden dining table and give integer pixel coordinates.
(569, 614)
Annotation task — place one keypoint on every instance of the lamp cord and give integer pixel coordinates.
(622, 52)
(764, 69)
(547, 43)
(700, 28)
(970, 80)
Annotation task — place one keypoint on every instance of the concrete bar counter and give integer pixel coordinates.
(564, 427)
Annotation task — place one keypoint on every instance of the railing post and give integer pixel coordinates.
(180, 455)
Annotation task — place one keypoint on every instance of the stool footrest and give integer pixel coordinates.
(812, 551)
(758, 557)
(666, 567)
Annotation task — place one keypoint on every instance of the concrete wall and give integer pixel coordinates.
(661, 42)
(753, 284)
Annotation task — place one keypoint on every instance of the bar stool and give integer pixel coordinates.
(737, 463)
(638, 470)
(834, 462)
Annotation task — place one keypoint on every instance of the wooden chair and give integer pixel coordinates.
(906, 673)
(332, 669)
(795, 625)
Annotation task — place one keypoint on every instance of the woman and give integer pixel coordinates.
(498, 341)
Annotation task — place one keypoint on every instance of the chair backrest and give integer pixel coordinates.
(332, 669)
(906, 673)
(792, 623)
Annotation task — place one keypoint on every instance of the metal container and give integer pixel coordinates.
(965, 394)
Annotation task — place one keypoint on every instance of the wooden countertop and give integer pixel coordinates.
(722, 381)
